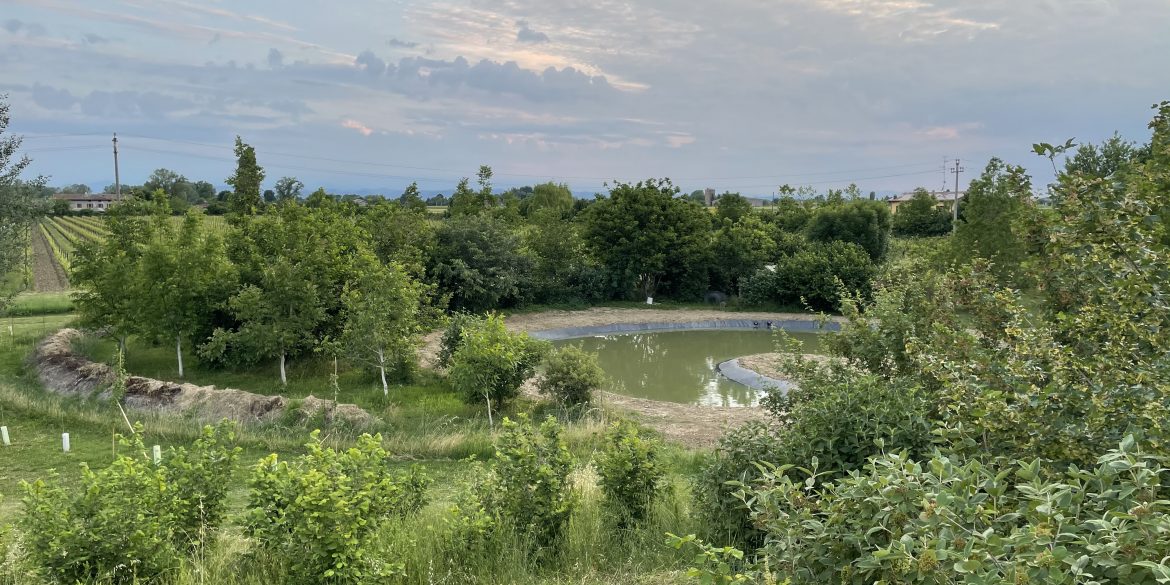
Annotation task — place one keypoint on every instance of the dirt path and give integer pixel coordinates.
(48, 275)
(692, 425)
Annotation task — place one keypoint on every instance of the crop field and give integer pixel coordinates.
(55, 240)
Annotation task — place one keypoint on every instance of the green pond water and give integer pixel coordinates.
(679, 366)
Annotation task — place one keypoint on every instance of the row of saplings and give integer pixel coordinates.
(312, 519)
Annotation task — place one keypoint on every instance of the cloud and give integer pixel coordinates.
(149, 104)
(527, 35)
(275, 58)
(679, 139)
(355, 125)
(370, 63)
(13, 25)
(52, 98)
(952, 132)
(400, 44)
(94, 39)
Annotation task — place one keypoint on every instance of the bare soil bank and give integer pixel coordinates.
(63, 372)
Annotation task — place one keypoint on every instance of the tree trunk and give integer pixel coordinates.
(491, 424)
(122, 345)
(382, 371)
(283, 376)
(179, 353)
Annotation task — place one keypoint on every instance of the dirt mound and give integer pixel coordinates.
(64, 372)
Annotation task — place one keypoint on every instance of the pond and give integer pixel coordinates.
(679, 366)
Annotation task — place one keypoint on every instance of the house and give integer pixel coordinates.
(87, 201)
(946, 199)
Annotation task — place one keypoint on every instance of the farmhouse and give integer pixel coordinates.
(946, 199)
(87, 201)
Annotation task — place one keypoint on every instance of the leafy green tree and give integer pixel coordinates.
(478, 264)
(491, 363)
(790, 215)
(288, 188)
(563, 271)
(739, 250)
(572, 376)
(204, 191)
(246, 199)
(464, 201)
(384, 317)
(400, 234)
(20, 204)
(921, 217)
(184, 276)
(411, 199)
(989, 218)
(551, 196)
(1113, 155)
(815, 275)
(732, 206)
(631, 472)
(167, 180)
(862, 222)
(649, 239)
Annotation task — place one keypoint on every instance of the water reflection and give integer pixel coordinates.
(679, 366)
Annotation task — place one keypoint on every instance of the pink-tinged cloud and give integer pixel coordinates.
(355, 125)
(948, 132)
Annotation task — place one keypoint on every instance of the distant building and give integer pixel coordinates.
(708, 197)
(946, 199)
(87, 201)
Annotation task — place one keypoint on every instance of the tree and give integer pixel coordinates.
(288, 189)
(400, 235)
(20, 205)
(184, 276)
(464, 201)
(269, 196)
(862, 222)
(551, 196)
(732, 206)
(246, 200)
(491, 363)
(1113, 155)
(382, 310)
(921, 217)
(649, 239)
(484, 179)
(739, 250)
(77, 188)
(572, 376)
(790, 215)
(164, 179)
(989, 222)
(204, 191)
(411, 199)
(563, 270)
(478, 264)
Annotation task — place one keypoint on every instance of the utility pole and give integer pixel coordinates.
(944, 170)
(117, 178)
(955, 207)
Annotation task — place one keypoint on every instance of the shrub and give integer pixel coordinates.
(490, 363)
(816, 275)
(453, 335)
(317, 513)
(527, 490)
(865, 223)
(630, 473)
(571, 377)
(132, 520)
(724, 516)
(921, 217)
(953, 521)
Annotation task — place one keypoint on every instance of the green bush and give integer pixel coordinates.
(572, 376)
(724, 516)
(865, 223)
(921, 217)
(453, 335)
(951, 520)
(630, 472)
(817, 275)
(317, 513)
(490, 363)
(527, 491)
(133, 520)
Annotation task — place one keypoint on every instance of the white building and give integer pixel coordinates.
(87, 201)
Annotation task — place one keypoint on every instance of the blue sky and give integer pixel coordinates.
(738, 95)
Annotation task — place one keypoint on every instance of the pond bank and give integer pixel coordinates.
(692, 425)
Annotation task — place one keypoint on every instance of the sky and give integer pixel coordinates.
(738, 95)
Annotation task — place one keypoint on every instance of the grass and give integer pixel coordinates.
(40, 303)
(424, 424)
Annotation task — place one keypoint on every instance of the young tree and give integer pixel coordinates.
(411, 199)
(989, 218)
(732, 206)
(491, 363)
(464, 201)
(921, 217)
(862, 222)
(648, 238)
(400, 234)
(20, 204)
(740, 249)
(184, 277)
(383, 312)
(246, 200)
(551, 196)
